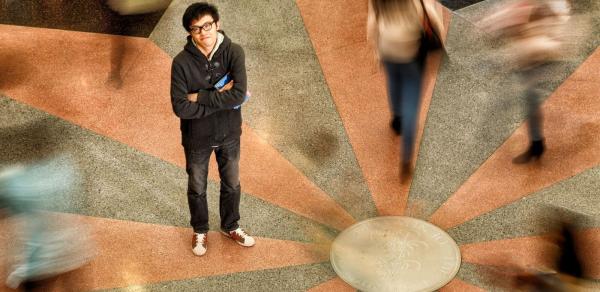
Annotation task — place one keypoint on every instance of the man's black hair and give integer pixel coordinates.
(196, 11)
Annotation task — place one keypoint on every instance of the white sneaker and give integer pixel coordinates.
(240, 236)
(199, 243)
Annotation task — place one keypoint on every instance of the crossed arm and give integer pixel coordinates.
(193, 97)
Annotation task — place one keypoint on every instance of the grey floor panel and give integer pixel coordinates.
(577, 198)
(482, 276)
(120, 182)
(296, 278)
(291, 107)
(475, 107)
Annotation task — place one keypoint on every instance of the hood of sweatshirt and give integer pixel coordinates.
(222, 43)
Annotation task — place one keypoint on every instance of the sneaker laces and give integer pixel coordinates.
(200, 238)
(241, 232)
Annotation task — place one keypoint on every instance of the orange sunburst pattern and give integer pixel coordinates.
(127, 143)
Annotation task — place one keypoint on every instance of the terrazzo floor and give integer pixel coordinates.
(317, 151)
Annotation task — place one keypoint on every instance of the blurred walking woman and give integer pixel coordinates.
(397, 29)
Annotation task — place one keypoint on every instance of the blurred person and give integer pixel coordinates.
(534, 34)
(132, 7)
(125, 17)
(398, 29)
(210, 119)
(49, 248)
(566, 270)
(560, 265)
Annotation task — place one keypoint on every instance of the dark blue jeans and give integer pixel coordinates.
(228, 158)
(404, 91)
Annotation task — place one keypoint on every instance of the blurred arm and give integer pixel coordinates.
(435, 11)
(372, 30)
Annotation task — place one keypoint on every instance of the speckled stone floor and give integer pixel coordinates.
(317, 151)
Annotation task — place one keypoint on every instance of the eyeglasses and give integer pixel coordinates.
(206, 27)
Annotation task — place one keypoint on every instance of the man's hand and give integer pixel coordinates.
(193, 97)
(227, 86)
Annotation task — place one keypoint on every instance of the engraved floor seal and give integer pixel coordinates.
(395, 253)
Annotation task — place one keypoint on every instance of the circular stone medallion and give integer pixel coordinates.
(395, 253)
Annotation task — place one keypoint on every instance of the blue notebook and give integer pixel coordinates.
(224, 80)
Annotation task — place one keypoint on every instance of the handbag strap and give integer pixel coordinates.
(427, 21)
(426, 24)
(430, 27)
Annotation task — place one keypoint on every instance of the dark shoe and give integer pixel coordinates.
(396, 125)
(115, 81)
(405, 172)
(535, 151)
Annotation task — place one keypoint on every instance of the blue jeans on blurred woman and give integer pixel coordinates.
(404, 91)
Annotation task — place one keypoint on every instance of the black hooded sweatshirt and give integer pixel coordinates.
(211, 121)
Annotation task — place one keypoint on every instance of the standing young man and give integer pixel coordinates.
(210, 119)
